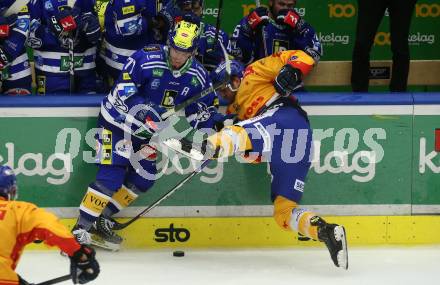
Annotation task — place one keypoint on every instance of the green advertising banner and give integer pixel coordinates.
(335, 24)
(367, 159)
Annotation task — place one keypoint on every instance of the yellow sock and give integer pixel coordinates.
(285, 209)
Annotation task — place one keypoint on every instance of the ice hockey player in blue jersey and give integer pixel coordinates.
(55, 28)
(153, 79)
(128, 26)
(283, 29)
(15, 70)
(209, 52)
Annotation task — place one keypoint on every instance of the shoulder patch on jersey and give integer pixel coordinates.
(128, 10)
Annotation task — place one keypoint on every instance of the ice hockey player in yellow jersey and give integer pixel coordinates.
(22, 223)
(274, 128)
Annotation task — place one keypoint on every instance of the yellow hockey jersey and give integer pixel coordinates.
(22, 223)
(256, 88)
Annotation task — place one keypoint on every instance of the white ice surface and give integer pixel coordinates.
(297, 266)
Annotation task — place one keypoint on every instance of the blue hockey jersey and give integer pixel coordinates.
(50, 54)
(14, 44)
(148, 78)
(247, 46)
(210, 53)
(127, 28)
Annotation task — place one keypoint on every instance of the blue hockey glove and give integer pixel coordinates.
(150, 117)
(89, 25)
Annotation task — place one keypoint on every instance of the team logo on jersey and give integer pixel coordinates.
(194, 81)
(78, 61)
(168, 98)
(155, 84)
(158, 72)
(280, 45)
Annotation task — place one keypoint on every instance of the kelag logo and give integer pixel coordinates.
(341, 10)
(172, 234)
(332, 39)
(427, 10)
(384, 38)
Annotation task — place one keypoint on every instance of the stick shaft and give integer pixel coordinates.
(56, 280)
(165, 196)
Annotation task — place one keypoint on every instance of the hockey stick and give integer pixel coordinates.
(71, 46)
(16, 7)
(263, 34)
(203, 93)
(120, 226)
(70, 43)
(55, 280)
(217, 23)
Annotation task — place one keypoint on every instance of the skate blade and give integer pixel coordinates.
(342, 255)
(99, 242)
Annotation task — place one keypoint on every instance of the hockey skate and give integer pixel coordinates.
(102, 234)
(81, 235)
(333, 236)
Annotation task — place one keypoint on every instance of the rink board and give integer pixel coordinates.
(150, 233)
(50, 144)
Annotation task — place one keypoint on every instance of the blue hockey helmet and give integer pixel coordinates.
(185, 36)
(218, 75)
(8, 183)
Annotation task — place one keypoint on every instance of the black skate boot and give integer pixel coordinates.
(104, 236)
(333, 236)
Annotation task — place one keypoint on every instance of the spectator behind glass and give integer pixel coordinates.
(370, 14)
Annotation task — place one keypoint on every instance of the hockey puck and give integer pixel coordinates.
(178, 253)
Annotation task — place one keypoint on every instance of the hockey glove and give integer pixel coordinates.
(257, 18)
(6, 23)
(5, 59)
(64, 22)
(83, 265)
(150, 118)
(225, 143)
(288, 80)
(89, 25)
(290, 18)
